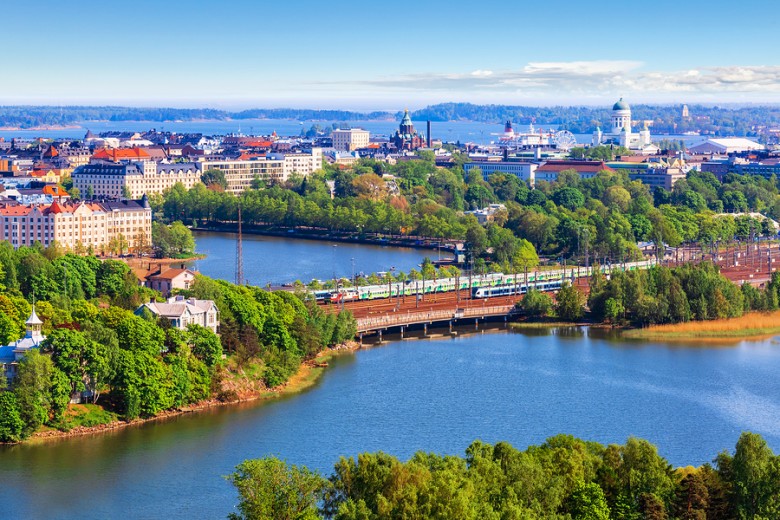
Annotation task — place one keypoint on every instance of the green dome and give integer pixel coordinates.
(621, 105)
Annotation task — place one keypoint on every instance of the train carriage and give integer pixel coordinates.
(504, 284)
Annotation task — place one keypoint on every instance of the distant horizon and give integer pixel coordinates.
(390, 111)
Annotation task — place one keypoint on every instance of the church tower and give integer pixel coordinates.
(34, 325)
(621, 118)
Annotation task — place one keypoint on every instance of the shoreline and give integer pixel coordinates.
(430, 244)
(753, 326)
(40, 128)
(750, 326)
(306, 376)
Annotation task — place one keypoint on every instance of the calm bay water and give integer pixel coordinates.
(448, 131)
(434, 395)
(452, 131)
(282, 260)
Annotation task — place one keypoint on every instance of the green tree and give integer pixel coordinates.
(587, 502)
(205, 344)
(692, 499)
(214, 177)
(524, 256)
(756, 473)
(536, 303)
(11, 424)
(570, 303)
(35, 379)
(271, 489)
(10, 329)
(569, 198)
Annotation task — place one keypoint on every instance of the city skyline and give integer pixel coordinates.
(345, 55)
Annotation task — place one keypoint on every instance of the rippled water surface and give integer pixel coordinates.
(434, 395)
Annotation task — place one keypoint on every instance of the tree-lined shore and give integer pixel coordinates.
(127, 364)
(565, 478)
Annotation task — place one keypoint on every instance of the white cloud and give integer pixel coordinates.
(590, 80)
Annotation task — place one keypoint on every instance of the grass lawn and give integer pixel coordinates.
(86, 415)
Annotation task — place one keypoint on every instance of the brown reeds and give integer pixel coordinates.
(753, 324)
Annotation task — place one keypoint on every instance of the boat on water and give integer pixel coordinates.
(532, 138)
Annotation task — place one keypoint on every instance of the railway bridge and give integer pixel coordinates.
(430, 317)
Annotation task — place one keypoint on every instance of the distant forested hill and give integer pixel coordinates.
(750, 120)
(33, 116)
(579, 119)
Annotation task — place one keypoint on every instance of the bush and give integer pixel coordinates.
(536, 304)
(571, 303)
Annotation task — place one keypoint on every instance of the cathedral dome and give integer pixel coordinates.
(621, 105)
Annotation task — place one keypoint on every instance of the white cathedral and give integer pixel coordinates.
(621, 133)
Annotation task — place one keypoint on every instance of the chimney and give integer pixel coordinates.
(429, 134)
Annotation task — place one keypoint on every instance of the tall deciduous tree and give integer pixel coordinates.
(269, 488)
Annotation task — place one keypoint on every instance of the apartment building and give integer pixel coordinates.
(133, 179)
(82, 225)
(239, 173)
(349, 140)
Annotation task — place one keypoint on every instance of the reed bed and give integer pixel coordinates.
(753, 324)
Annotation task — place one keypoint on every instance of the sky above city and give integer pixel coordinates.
(382, 55)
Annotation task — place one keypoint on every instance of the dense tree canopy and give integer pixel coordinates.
(564, 478)
(98, 350)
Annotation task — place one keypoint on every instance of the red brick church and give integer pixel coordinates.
(406, 138)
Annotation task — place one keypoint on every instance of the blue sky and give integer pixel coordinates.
(372, 55)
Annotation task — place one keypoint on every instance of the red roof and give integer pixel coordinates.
(120, 154)
(57, 191)
(168, 274)
(580, 166)
(56, 207)
(15, 211)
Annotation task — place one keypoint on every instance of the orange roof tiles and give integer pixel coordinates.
(121, 154)
(57, 191)
(168, 274)
(15, 211)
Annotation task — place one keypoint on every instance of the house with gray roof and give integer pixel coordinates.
(181, 312)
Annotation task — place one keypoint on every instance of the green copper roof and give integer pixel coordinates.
(406, 120)
(621, 105)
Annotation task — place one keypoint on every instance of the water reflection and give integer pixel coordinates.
(436, 395)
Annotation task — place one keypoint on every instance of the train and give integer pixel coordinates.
(481, 286)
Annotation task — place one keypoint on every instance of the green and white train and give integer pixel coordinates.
(481, 286)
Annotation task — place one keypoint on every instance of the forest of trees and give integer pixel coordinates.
(138, 365)
(658, 295)
(565, 478)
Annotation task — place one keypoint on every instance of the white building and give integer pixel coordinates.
(488, 214)
(239, 173)
(10, 355)
(522, 170)
(621, 132)
(133, 179)
(348, 140)
(182, 312)
(725, 146)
